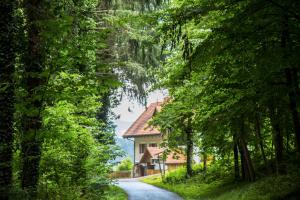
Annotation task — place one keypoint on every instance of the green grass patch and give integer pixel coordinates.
(115, 193)
(108, 192)
(273, 187)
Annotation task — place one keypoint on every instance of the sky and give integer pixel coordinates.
(128, 117)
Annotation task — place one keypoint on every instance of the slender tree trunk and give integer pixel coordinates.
(249, 170)
(291, 78)
(292, 83)
(204, 161)
(236, 158)
(161, 172)
(7, 97)
(33, 83)
(278, 139)
(189, 149)
(243, 171)
(246, 162)
(164, 167)
(259, 138)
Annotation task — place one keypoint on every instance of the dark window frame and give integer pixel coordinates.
(153, 145)
(142, 148)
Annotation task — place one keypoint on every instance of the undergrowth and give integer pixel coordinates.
(219, 185)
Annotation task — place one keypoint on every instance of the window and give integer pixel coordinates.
(153, 145)
(154, 160)
(142, 147)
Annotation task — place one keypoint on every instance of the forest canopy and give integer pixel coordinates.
(232, 70)
(61, 75)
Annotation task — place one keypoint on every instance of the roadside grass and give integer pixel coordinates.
(115, 193)
(107, 192)
(272, 187)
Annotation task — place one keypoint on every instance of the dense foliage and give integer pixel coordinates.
(232, 72)
(231, 69)
(125, 165)
(55, 143)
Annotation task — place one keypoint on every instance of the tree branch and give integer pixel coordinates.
(295, 15)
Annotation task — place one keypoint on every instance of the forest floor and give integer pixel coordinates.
(272, 187)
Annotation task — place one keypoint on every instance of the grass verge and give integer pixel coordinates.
(115, 193)
(273, 187)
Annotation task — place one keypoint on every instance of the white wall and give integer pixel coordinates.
(145, 140)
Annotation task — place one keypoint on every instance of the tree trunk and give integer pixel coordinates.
(236, 158)
(246, 162)
(291, 79)
(204, 161)
(164, 167)
(189, 150)
(292, 83)
(7, 96)
(277, 138)
(161, 172)
(33, 82)
(242, 162)
(259, 138)
(249, 170)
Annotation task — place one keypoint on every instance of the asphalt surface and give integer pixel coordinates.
(137, 190)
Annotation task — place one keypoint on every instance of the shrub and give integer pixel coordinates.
(125, 165)
(177, 176)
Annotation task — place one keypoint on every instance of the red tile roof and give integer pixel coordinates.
(141, 127)
(154, 151)
(175, 158)
(172, 158)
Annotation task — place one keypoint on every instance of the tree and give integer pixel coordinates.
(125, 165)
(175, 122)
(33, 82)
(8, 24)
(238, 62)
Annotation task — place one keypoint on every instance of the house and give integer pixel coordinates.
(148, 155)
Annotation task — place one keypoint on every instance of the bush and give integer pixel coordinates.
(215, 172)
(177, 176)
(125, 165)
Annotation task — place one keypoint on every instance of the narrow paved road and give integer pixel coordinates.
(137, 190)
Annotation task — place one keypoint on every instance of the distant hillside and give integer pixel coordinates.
(126, 146)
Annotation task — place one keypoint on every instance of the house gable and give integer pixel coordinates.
(141, 126)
